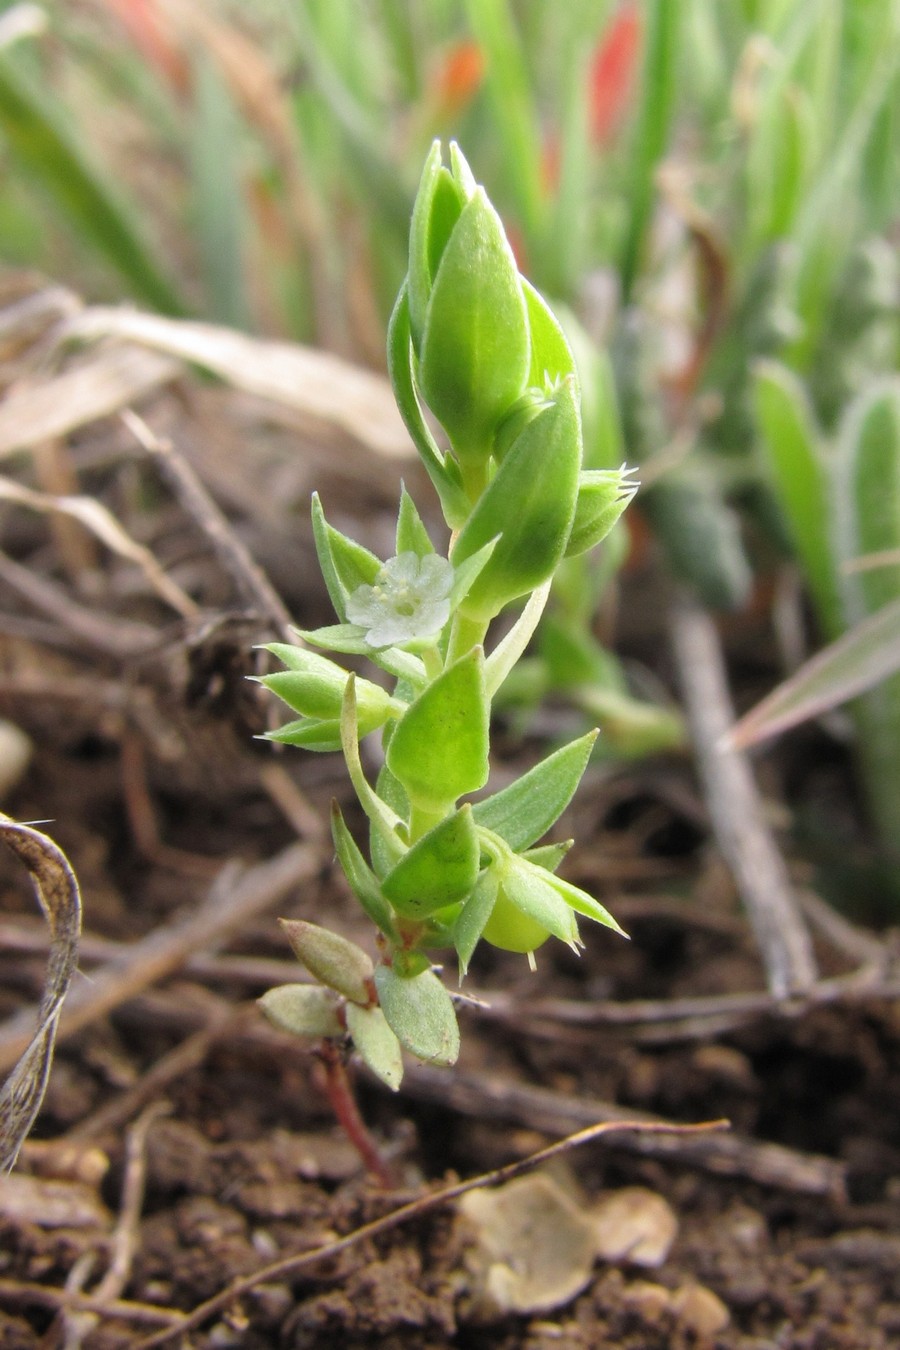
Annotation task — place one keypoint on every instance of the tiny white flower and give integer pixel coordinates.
(410, 599)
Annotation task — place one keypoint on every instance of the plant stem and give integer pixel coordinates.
(343, 1103)
(464, 635)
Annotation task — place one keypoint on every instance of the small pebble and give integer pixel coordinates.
(635, 1225)
(700, 1310)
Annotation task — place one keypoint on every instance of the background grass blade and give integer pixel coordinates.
(87, 205)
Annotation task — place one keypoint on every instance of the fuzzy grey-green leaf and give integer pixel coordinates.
(420, 1012)
(332, 959)
(305, 1010)
(376, 1043)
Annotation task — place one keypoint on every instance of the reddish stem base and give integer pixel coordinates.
(343, 1103)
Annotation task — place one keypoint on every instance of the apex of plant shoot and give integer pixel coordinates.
(410, 599)
(468, 314)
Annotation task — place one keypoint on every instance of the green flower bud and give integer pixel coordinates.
(467, 309)
(511, 930)
(603, 495)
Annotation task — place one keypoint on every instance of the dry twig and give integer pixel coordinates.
(734, 806)
(294, 1265)
(231, 904)
(200, 506)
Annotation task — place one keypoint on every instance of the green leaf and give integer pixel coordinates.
(45, 152)
(524, 811)
(377, 1045)
(333, 960)
(350, 638)
(412, 536)
(661, 45)
(474, 354)
(362, 880)
(584, 904)
(465, 573)
(317, 690)
(797, 462)
(473, 916)
(439, 869)
(551, 356)
(344, 563)
(219, 200)
(443, 473)
(393, 794)
(533, 892)
(309, 734)
(437, 208)
(305, 1010)
(420, 1013)
(530, 504)
(858, 661)
(867, 495)
(439, 748)
(548, 856)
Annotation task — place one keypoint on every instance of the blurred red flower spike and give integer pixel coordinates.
(612, 72)
(150, 32)
(459, 76)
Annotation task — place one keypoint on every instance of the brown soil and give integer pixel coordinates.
(178, 1090)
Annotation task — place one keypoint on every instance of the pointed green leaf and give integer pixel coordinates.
(443, 473)
(530, 504)
(796, 458)
(305, 1010)
(393, 794)
(509, 650)
(333, 960)
(551, 355)
(584, 904)
(464, 573)
(548, 856)
(439, 869)
(377, 1045)
(439, 202)
(362, 880)
(344, 563)
(318, 691)
(524, 811)
(420, 1012)
(351, 638)
(473, 916)
(412, 536)
(533, 892)
(309, 734)
(439, 748)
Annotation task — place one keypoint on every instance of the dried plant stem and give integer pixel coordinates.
(734, 805)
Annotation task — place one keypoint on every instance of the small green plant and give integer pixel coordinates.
(475, 343)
